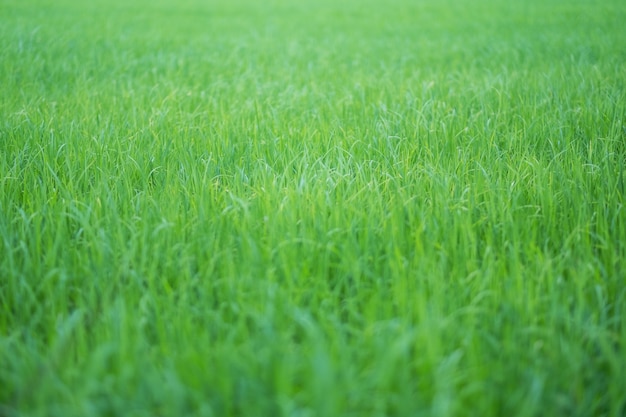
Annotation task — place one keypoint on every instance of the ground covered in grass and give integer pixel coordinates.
(312, 208)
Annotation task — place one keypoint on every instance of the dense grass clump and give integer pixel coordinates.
(335, 208)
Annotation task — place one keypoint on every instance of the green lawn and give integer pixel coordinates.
(312, 208)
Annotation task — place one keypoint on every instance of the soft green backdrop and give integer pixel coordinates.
(329, 208)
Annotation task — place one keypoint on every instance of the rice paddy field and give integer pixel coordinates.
(312, 208)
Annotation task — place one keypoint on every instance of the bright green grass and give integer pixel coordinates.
(305, 208)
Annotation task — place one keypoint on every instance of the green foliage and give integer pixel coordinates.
(334, 208)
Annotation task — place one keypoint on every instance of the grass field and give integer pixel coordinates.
(312, 208)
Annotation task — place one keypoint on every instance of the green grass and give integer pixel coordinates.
(312, 208)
